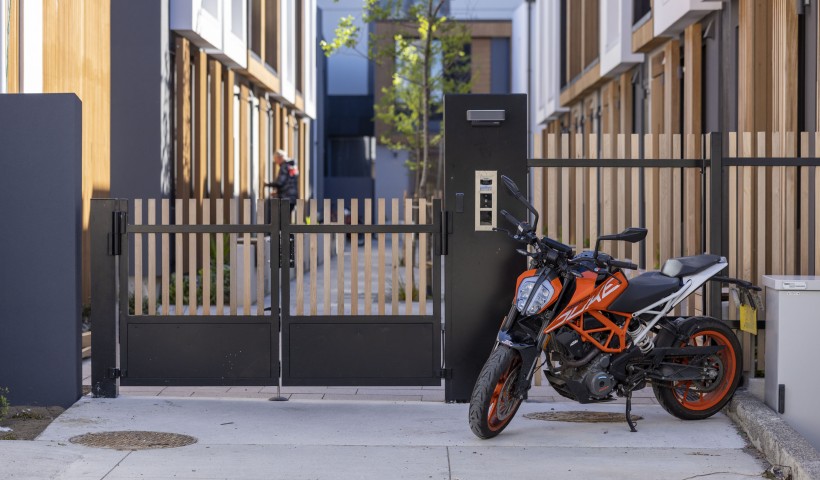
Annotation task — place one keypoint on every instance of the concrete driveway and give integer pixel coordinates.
(305, 439)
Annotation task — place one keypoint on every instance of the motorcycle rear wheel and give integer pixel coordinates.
(696, 400)
(493, 404)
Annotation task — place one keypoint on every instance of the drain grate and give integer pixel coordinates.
(133, 440)
(581, 417)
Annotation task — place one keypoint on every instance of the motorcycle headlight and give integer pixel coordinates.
(540, 298)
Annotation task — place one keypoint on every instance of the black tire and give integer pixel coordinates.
(493, 404)
(689, 400)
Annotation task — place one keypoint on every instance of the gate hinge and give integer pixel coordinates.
(446, 373)
(118, 226)
(291, 259)
(446, 230)
(114, 373)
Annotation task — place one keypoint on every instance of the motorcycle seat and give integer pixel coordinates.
(644, 290)
(686, 266)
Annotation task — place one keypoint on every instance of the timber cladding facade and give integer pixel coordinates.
(651, 79)
(63, 47)
(181, 99)
(660, 66)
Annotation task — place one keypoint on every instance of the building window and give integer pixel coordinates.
(299, 46)
(255, 22)
(350, 157)
(500, 65)
(641, 9)
(272, 33)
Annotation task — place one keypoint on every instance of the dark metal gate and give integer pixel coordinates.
(360, 344)
(180, 336)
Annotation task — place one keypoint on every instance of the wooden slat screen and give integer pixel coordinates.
(774, 220)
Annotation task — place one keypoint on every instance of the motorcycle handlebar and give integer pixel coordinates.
(620, 264)
(509, 217)
(554, 244)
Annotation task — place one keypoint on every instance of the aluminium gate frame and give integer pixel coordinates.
(122, 340)
(403, 350)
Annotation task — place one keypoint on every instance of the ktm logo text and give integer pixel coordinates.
(606, 289)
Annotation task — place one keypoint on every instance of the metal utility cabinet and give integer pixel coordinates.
(792, 330)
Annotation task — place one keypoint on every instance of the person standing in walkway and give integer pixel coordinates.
(286, 184)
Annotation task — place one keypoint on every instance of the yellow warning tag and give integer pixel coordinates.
(748, 319)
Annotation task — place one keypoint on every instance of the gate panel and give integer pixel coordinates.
(348, 345)
(229, 353)
(361, 351)
(206, 343)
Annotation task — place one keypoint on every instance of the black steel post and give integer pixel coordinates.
(719, 221)
(106, 246)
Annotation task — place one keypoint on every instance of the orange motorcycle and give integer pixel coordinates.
(604, 334)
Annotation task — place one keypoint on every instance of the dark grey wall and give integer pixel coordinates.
(141, 108)
(41, 214)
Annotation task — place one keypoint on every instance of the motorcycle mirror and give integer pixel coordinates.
(513, 188)
(631, 235)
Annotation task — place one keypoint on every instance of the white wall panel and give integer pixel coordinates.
(234, 52)
(31, 46)
(670, 17)
(4, 5)
(309, 64)
(287, 21)
(546, 36)
(616, 37)
(200, 21)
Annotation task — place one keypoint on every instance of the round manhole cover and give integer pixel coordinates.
(581, 417)
(133, 440)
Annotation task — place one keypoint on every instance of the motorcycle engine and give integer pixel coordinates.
(598, 381)
(590, 381)
(573, 347)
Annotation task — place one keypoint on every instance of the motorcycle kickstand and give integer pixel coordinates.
(629, 412)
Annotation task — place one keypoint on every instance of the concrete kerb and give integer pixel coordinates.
(779, 442)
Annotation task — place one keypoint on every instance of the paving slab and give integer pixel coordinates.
(477, 463)
(306, 422)
(265, 462)
(35, 460)
(323, 439)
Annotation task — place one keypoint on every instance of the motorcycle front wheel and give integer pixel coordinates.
(493, 403)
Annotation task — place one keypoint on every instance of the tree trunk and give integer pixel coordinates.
(425, 110)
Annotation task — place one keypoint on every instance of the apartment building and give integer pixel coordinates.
(48, 46)
(676, 67)
(181, 98)
(203, 91)
(356, 164)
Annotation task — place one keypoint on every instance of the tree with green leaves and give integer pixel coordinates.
(428, 53)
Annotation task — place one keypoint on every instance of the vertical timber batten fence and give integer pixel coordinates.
(756, 203)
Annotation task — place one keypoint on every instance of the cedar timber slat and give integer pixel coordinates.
(138, 251)
(381, 219)
(327, 259)
(165, 256)
(408, 258)
(152, 259)
(178, 255)
(314, 259)
(354, 258)
(368, 259)
(299, 260)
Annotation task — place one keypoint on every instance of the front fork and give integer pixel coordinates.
(529, 353)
